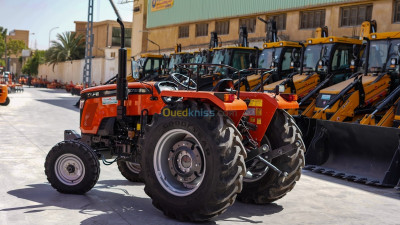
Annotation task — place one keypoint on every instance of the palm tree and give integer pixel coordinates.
(68, 46)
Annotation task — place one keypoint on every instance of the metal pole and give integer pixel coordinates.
(5, 52)
(50, 33)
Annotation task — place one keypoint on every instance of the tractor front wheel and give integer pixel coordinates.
(72, 167)
(192, 166)
(261, 184)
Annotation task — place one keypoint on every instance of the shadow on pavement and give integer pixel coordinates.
(67, 103)
(118, 206)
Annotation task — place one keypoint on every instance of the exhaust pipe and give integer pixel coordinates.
(122, 84)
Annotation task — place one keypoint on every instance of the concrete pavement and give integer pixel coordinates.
(34, 122)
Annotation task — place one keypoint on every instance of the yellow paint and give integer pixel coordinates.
(256, 102)
(258, 120)
(258, 111)
(332, 39)
(282, 44)
(149, 55)
(157, 5)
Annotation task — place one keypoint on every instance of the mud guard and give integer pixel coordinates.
(361, 153)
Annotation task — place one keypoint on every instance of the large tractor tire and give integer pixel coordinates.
(268, 186)
(130, 171)
(193, 167)
(6, 102)
(72, 167)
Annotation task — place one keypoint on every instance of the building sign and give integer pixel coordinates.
(161, 4)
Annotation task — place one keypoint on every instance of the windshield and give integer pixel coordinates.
(381, 51)
(175, 59)
(237, 58)
(135, 69)
(312, 55)
(265, 59)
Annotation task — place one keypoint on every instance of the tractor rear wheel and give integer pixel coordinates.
(192, 166)
(72, 167)
(268, 186)
(130, 171)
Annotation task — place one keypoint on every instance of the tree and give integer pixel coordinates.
(68, 46)
(15, 47)
(3, 33)
(31, 66)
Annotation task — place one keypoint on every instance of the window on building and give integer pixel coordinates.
(396, 13)
(116, 37)
(280, 21)
(355, 15)
(250, 23)
(312, 19)
(183, 31)
(222, 27)
(201, 29)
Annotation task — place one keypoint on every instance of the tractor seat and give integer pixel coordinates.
(224, 85)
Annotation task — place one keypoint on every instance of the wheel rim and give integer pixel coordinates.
(69, 169)
(133, 167)
(179, 162)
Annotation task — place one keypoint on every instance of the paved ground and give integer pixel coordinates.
(34, 121)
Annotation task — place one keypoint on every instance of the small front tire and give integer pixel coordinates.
(72, 167)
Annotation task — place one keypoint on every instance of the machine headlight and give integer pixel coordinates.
(292, 64)
(352, 62)
(393, 61)
(320, 63)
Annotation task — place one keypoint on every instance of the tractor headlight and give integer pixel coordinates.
(352, 62)
(330, 39)
(393, 61)
(273, 65)
(292, 64)
(320, 63)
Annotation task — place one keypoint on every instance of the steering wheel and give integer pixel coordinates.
(184, 81)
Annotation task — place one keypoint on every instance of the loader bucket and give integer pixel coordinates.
(361, 153)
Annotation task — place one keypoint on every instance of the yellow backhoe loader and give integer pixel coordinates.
(326, 59)
(339, 143)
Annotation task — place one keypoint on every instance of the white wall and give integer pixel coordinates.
(102, 69)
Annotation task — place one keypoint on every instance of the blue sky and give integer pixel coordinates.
(39, 16)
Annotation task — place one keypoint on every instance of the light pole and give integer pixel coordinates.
(31, 41)
(50, 33)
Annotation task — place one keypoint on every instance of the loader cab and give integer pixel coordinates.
(178, 58)
(148, 67)
(279, 56)
(383, 53)
(321, 57)
(237, 57)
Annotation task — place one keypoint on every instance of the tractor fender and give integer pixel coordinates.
(235, 109)
(236, 105)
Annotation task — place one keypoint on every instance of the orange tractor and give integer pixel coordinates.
(4, 99)
(195, 150)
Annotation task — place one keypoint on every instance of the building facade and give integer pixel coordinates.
(14, 63)
(107, 36)
(190, 22)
